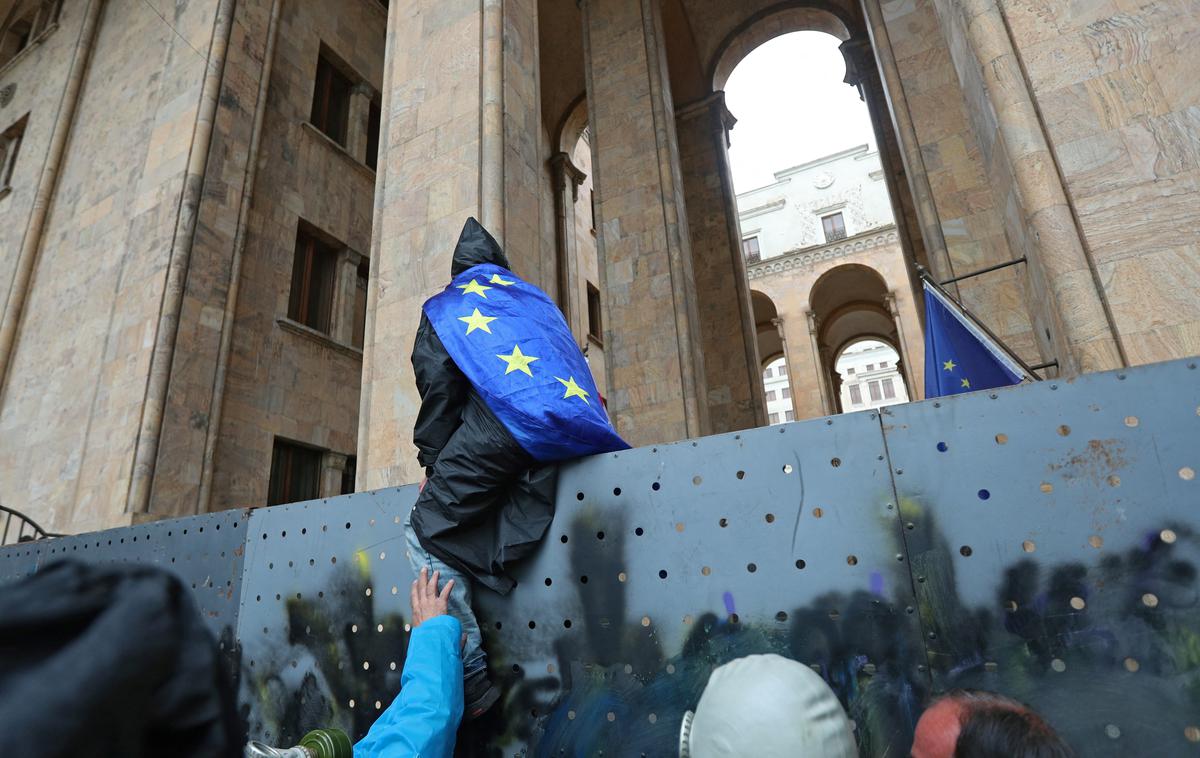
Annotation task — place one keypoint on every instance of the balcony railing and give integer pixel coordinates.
(20, 528)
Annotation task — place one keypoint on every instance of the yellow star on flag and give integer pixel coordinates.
(477, 321)
(966, 383)
(574, 390)
(473, 286)
(517, 361)
(497, 279)
(949, 365)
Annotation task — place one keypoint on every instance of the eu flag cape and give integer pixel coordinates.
(513, 345)
(959, 356)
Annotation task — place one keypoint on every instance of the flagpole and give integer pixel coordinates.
(1029, 370)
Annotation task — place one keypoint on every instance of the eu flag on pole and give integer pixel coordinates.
(959, 356)
(513, 344)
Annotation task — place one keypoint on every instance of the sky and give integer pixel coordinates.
(791, 107)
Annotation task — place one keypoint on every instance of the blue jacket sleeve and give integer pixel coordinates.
(424, 717)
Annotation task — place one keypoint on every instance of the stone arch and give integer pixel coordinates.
(572, 125)
(770, 343)
(850, 303)
(779, 19)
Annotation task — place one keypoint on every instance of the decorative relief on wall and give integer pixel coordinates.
(849, 201)
(800, 258)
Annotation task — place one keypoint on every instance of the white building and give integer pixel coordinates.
(825, 200)
(816, 218)
(779, 392)
(870, 377)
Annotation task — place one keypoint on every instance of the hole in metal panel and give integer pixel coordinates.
(724, 522)
(617, 491)
(942, 447)
(1150, 600)
(852, 560)
(835, 462)
(741, 474)
(639, 531)
(1078, 603)
(1131, 421)
(787, 468)
(656, 486)
(751, 567)
(770, 517)
(697, 479)
(1114, 480)
(1131, 665)
(800, 563)
(818, 512)
(1001, 438)
(1095, 541)
(1167, 536)
(1028, 546)
(1187, 474)
(1064, 430)
(705, 570)
(984, 494)
(1046, 487)
(965, 551)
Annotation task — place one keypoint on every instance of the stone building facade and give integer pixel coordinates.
(827, 269)
(168, 168)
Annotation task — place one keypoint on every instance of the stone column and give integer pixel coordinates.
(787, 366)
(459, 138)
(333, 468)
(910, 147)
(360, 115)
(345, 285)
(566, 178)
(1061, 275)
(863, 72)
(914, 392)
(733, 373)
(652, 338)
(828, 405)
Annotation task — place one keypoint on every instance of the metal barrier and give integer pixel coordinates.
(1040, 541)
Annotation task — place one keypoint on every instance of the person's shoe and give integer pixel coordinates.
(479, 693)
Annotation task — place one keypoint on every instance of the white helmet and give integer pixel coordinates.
(767, 706)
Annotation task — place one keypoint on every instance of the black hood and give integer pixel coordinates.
(476, 246)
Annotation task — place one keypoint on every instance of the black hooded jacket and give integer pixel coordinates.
(486, 502)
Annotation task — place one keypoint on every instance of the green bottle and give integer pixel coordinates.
(319, 743)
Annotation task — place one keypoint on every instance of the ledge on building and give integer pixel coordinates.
(12, 62)
(337, 148)
(295, 327)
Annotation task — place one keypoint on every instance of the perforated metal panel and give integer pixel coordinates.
(1054, 533)
(324, 611)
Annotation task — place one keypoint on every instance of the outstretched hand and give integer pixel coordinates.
(426, 601)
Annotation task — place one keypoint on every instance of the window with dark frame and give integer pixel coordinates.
(373, 119)
(25, 23)
(314, 269)
(786, 394)
(834, 226)
(873, 388)
(349, 474)
(595, 326)
(789, 415)
(770, 395)
(331, 99)
(751, 250)
(10, 146)
(889, 389)
(768, 372)
(773, 418)
(855, 395)
(295, 473)
(358, 333)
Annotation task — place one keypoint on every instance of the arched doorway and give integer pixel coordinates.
(869, 374)
(850, 305)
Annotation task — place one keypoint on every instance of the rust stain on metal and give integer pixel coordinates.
(1094, 463)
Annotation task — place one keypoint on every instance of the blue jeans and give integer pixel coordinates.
(474, 659)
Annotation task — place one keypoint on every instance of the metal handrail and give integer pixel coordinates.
(28, 530)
